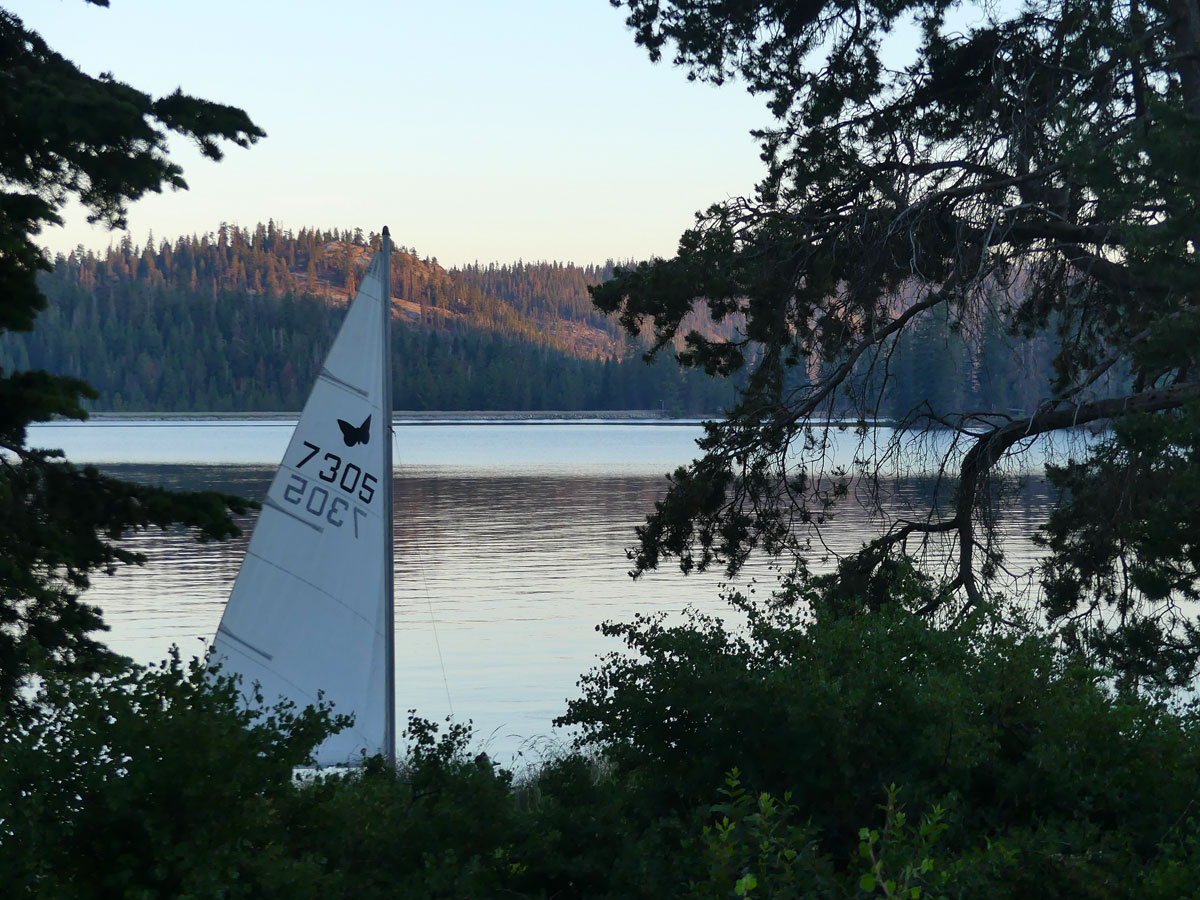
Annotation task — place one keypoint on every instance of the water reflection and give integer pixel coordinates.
(500, 578)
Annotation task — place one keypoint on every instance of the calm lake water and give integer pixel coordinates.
(509, 543)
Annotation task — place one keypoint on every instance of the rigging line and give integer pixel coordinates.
(437, 643)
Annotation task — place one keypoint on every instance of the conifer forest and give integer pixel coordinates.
(239, 320)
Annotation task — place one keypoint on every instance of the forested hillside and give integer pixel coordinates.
(240, 320)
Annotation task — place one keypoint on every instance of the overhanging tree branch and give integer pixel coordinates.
(1033, 176)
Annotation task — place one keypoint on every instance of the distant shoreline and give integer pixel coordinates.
(442, 417)
(417, 417)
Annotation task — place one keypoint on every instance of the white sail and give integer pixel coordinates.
(309, 614)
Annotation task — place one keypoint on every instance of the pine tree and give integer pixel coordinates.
(104, 143)
(1043, 156)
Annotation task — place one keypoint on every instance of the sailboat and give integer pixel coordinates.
(310, 616)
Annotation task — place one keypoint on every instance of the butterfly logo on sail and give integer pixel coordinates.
(352, 435)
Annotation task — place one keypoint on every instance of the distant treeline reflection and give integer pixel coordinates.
(436, 511)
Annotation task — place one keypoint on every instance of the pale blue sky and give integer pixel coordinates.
(486, 131)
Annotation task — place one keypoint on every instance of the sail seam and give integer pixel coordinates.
(287, 512)
(221, 629)
(316, 587)
(308, 695)
(333, 379)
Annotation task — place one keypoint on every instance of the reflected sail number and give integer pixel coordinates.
(316, 500)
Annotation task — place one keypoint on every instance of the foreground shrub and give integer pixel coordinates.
(1022, 747)
(153, 782)
(864, 752)
(441, 824)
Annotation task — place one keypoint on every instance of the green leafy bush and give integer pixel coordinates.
(1021, 745)
(1027, 772)
(151, 782)
(441, 824)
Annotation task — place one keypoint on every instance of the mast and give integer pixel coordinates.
(389, 593)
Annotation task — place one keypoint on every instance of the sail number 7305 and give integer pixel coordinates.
(317, 500)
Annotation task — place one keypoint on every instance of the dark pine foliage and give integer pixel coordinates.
(69, 135)
(1024, 171)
